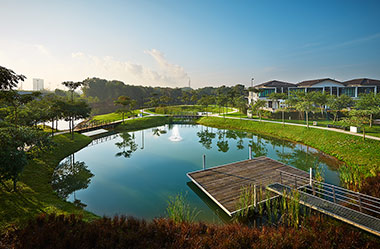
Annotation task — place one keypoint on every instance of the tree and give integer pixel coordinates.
(241, 103)
(205, 101)
(72, 87)
(258, 106)
(358, 118)
(9, 79)
(305, 103)
(14, 100)
(17, 145)
(127, 104)
(336, 104)
(321, 100)
(369, 102)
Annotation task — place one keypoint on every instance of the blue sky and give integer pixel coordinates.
(166, 43)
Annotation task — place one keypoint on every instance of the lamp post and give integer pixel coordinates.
(252, 81)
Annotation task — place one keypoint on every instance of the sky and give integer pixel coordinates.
(172, 42)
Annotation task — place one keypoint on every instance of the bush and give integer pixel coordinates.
(121, 232)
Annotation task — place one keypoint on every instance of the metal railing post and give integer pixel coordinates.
(204, 161)
(333, 189)
(360, 203)
(311, 177)
(254, 196)
(250, 152)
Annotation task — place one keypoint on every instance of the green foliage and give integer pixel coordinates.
(180, 211)
(17, 144)
(336, 104)
(258, 106)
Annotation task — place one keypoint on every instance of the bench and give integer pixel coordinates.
(337, 127)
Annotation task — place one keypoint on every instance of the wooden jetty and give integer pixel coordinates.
(223, 184)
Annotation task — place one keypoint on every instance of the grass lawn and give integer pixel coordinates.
(180, 109)
(373, 131)
(362, 157)
(114, 116)
(35, 194)
(143, 123)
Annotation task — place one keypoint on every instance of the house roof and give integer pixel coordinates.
(362, 82)
(313, 82)
(275, 83)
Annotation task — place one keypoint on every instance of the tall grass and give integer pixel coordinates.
(180, 211)
(285, 210)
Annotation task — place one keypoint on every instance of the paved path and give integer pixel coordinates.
(311, 126)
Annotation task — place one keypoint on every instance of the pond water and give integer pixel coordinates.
(135, 173)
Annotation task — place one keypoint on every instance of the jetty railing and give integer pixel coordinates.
(336, 194)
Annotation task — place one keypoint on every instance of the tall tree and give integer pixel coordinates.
(72, 87)
(127, 104)
(337, 104)
(305, 103)
(258, 106)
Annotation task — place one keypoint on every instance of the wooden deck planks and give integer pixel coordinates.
(223, 184)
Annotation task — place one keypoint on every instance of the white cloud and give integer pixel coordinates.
(38, 61)
(111, 68)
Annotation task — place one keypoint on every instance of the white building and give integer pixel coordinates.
(352, 88)
(38, 84)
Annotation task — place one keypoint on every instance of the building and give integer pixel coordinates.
(352, 88)
(38, 84)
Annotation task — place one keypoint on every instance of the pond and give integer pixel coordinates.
(135, 173)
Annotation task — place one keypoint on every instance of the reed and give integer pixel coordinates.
(180, 211)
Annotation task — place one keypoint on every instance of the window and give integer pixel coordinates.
(327, 90)
(334, 91)
(314, 89)
(366, 89)
(266, 92)
(349, 91)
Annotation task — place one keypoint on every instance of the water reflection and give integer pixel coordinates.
(206, 137)
(71, 176)
(128, 145)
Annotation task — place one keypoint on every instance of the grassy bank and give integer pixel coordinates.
(114, 116)
(35, 194)
(189, 109)
(362, 157)
(143, 123)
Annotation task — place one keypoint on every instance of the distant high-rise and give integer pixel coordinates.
(38, 84)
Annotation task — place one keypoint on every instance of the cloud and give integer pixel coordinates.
(168, 74)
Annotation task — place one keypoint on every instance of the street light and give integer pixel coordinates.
(252, 81)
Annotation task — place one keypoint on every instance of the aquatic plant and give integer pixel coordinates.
(180, 211)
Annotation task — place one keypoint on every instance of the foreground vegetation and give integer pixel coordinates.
(120, 232)
(34, 192)
(362, 158)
